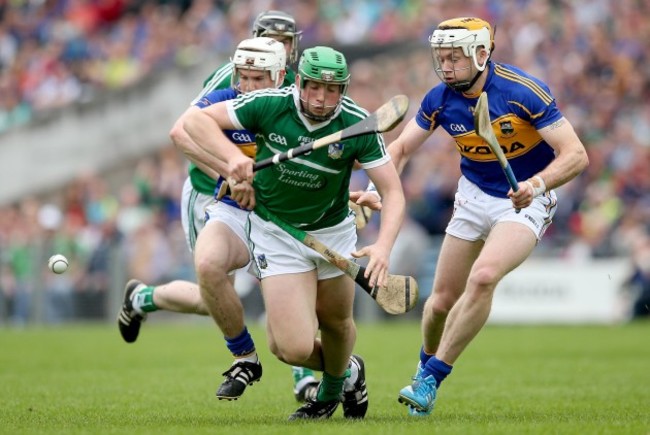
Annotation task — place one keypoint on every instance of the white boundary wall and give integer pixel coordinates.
(562, 292)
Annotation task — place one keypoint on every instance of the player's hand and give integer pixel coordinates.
(363, 214)
(523, 197)
(240, 169)
(243, 193)
(366, 198)
(377, 268)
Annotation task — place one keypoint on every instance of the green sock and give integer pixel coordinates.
(143, 300)
(331, 386)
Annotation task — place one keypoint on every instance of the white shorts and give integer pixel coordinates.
(193, 212)
(476, 212)
(275, 252)
(234, 217)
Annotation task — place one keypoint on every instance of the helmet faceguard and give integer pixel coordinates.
(278, 23)
(260, 54)
(468, 34)
(323, 65)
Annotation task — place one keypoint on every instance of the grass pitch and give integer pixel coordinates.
(514, 380)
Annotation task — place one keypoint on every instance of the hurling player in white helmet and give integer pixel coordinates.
(303, 293)
(214, 231)
(277, 25)
(486, 238)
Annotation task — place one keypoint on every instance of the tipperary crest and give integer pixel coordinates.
(335, 151)
(507, 130)
(261, 261)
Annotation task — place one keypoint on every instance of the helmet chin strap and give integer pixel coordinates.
(466, 86)
(304, 105)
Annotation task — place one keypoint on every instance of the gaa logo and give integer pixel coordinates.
(458, 128)
(278, 139)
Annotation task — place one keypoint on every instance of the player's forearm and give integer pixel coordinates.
(214, 148)
(410, 140)
(207, 163)
(398, 156)
(565, 167)
(392, 216)
(570, 154)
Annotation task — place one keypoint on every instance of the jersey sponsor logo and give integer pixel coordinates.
(457, 128)
(335, 151)
(300, 178)
(303, 140)
(515, 136)
(483, 152)
(274, 137)
(261, 261)
(241, 137)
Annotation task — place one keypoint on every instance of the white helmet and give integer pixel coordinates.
(261, 54)
(468, 34)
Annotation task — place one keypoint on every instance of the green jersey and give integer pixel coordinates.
(219, 79)
(312, 191)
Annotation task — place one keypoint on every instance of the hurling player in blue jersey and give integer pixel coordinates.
(485, 238)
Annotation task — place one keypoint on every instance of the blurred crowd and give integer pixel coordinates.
(594, 54)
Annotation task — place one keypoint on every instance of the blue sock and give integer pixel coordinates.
(424, 357)
(242, 344)
(438, 369)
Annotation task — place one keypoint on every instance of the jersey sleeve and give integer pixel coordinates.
(535, 103)
(215, 96)
(429, 109)
(221, 78)
(372, 151)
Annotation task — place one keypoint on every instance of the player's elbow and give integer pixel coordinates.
(582, 160)
(181, 137)
(177, 134)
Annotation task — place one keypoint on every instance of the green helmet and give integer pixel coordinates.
(324, 65)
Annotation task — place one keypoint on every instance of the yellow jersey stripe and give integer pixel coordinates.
(510, 75)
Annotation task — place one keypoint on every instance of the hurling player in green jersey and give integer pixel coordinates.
(258, 63)
(302, 291)
(280, 26)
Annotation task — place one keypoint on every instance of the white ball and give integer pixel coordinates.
(58, 263)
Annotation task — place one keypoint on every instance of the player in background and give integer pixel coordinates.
(302, 291)
(485, 238)
(273, 24)
(267, 69)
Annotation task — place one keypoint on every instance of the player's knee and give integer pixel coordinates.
(483, 279)
(292, 353)
(441, 302)
(209, 270)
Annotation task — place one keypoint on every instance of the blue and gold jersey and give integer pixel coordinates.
(244, 139)
(519, 106)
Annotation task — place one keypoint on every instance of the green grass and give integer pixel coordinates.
(511, 380)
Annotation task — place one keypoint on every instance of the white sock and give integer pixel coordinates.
(251, 357)
(304, 381)
(348, 384)
(137, 300)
